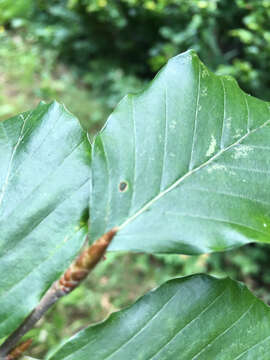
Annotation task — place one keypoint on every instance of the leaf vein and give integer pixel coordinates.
(43, 219)
(134, 155)
(20, 138)
(190, 322)
(108, 210)
(34, 151)
(165, 141)
(224, 114)
(228, 194)
(50, 174)
(248, 113)
(188, 174)
(229, 328)
(210, 218)
(251, 348)
(195, 120)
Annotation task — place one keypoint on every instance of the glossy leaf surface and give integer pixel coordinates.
(44, 194)
(197, 317)
(184, 166)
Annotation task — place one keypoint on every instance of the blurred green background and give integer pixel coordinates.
(88, 54)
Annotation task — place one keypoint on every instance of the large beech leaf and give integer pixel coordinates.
(184, 166)
(44, 182)
(196, 317)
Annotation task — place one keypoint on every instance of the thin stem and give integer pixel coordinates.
(73, 276)
(50, 298)
(19, 350)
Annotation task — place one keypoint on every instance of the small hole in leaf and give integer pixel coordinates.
(123, 186)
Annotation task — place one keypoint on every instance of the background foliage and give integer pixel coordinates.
(88, 54)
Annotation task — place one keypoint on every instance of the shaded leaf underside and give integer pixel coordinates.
(184, 165)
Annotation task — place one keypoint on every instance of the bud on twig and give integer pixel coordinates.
(86, 261)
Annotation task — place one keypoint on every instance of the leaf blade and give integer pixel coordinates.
(187, 130)
(44, 205)
(196, 317)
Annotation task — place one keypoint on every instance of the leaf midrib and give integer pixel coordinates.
(188, 174)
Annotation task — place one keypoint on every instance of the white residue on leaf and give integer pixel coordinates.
(67, 237)
(238, 133)
(204, 91)
(228, 122)
(264, 225)
(204, 72)
(216, 166)
(212, 146)
(172, 125)
(242, 151)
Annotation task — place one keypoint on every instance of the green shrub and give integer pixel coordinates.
(139, 36)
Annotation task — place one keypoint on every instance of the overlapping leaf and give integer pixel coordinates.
(184, 166)
(44, 191)
(197, 317)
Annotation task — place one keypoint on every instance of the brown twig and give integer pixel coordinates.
(73, 276)
(19, 350)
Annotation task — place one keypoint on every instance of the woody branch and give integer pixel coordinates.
(72, 277)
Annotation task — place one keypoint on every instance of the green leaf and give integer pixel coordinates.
(44, 182)
(195, 317)
(183, 166)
